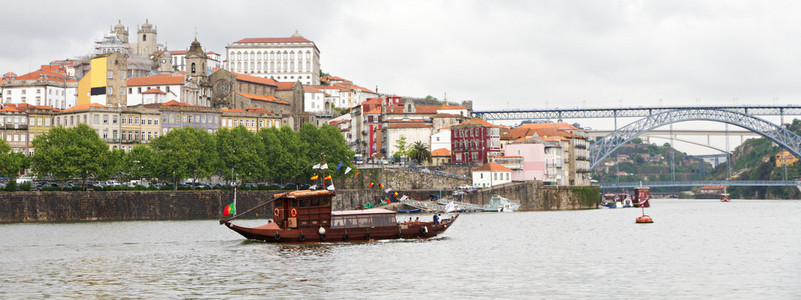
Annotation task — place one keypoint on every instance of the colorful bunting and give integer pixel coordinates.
(347, 170)
(340, 165)
(315, 177)
(327, 177)
(324, 166)
(372, 183)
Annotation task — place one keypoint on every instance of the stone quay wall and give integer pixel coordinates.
(148, 205)
(533, 195)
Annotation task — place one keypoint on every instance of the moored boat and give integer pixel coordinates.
(501, 204)
(642, 195)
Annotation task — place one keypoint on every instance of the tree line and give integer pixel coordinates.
(65, 154)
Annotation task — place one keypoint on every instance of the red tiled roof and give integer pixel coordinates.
(176, 103)
(233, 110)
(179, 52)
(714, 187)
(452, 107)
(492, 167)
(424, 109)
(481, 122)
(154, 91)
(258, 110)
(35, 75)
(441, 152)
(299, 39)
(283, 86)
(311, 89)
(160, 79)
(85, 106)
(447, 116)
(263, 98)
(255, 79)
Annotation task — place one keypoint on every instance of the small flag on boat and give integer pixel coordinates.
(324, 166)
(372, 183)
(317, 166)
(381, 185)
(357, 174)
(396, 194)
(331, 187)
(315, 177)
(348, 170)
(229, 209)
(327, 177)
(340, 165)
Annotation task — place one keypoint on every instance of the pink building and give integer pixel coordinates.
(533, 160)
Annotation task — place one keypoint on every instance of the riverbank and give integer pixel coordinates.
(19, 207)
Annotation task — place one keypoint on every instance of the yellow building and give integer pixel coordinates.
(785, 158)
(138, 125)
(232, 118)
(106, 82)
(40, 120)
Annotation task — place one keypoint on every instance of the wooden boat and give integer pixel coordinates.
(306, 217)
(725, 197)
(641, 196)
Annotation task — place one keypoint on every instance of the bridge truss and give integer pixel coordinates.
(619, 185)
(605, 146)
(630, 112)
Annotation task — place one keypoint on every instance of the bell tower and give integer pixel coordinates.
(196, 60)
(146, 40)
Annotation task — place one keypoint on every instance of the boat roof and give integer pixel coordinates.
(372, 211)
(305, 194)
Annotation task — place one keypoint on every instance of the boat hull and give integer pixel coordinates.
(334, 235)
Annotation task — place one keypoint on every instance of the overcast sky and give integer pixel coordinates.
(509, 54)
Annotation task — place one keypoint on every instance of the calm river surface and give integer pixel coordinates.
(695, 249)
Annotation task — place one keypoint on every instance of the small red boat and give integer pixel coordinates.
(641, 197)
(645, 219)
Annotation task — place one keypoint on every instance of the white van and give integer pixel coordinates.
(112, 183)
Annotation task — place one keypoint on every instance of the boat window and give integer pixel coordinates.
(294, 202)
(315, 202)
(303, 203)
(278, 203)
(337, 222)
(325, 201)
(365, 221)
(379, 220)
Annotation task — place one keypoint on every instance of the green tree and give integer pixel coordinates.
(284, 152)
(140, 162)
(401, 148)
(11, 163)
(636, 141)
(419, 152)
(185, 153)
(326, 139)
(241, 151)
(69, 153)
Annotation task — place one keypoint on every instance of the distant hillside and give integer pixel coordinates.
(756, 160)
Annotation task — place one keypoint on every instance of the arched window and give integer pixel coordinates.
(193, 67)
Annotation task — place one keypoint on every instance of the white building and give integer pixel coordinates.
(179, 60)
(491, 174)
(410, 130)
(441, 139)
(167, 84)
(41, 88)
(293, 58)
(314, 100)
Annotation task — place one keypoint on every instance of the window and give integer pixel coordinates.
(149, 121)
(110, 90)
(114, 120)
(156, 121)
(110, 74)
(105, 119)
(97, 119)
(122, 75)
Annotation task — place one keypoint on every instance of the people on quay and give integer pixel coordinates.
(436, 219)
(417, 219)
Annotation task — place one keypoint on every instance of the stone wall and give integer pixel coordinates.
(535, 196)
(401, 179)
(147, 205)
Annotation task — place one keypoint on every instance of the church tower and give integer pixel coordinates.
(146, 40)
(121, 32)
(196, 60)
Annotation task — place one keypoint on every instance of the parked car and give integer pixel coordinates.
(434, 197)
(458, 193)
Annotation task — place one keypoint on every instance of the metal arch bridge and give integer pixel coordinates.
(617, 185)
(605, 146)
(629, 112)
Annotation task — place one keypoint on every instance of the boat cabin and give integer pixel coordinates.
(303, 209)
(376, 217)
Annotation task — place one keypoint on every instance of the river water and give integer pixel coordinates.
(694, 249)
